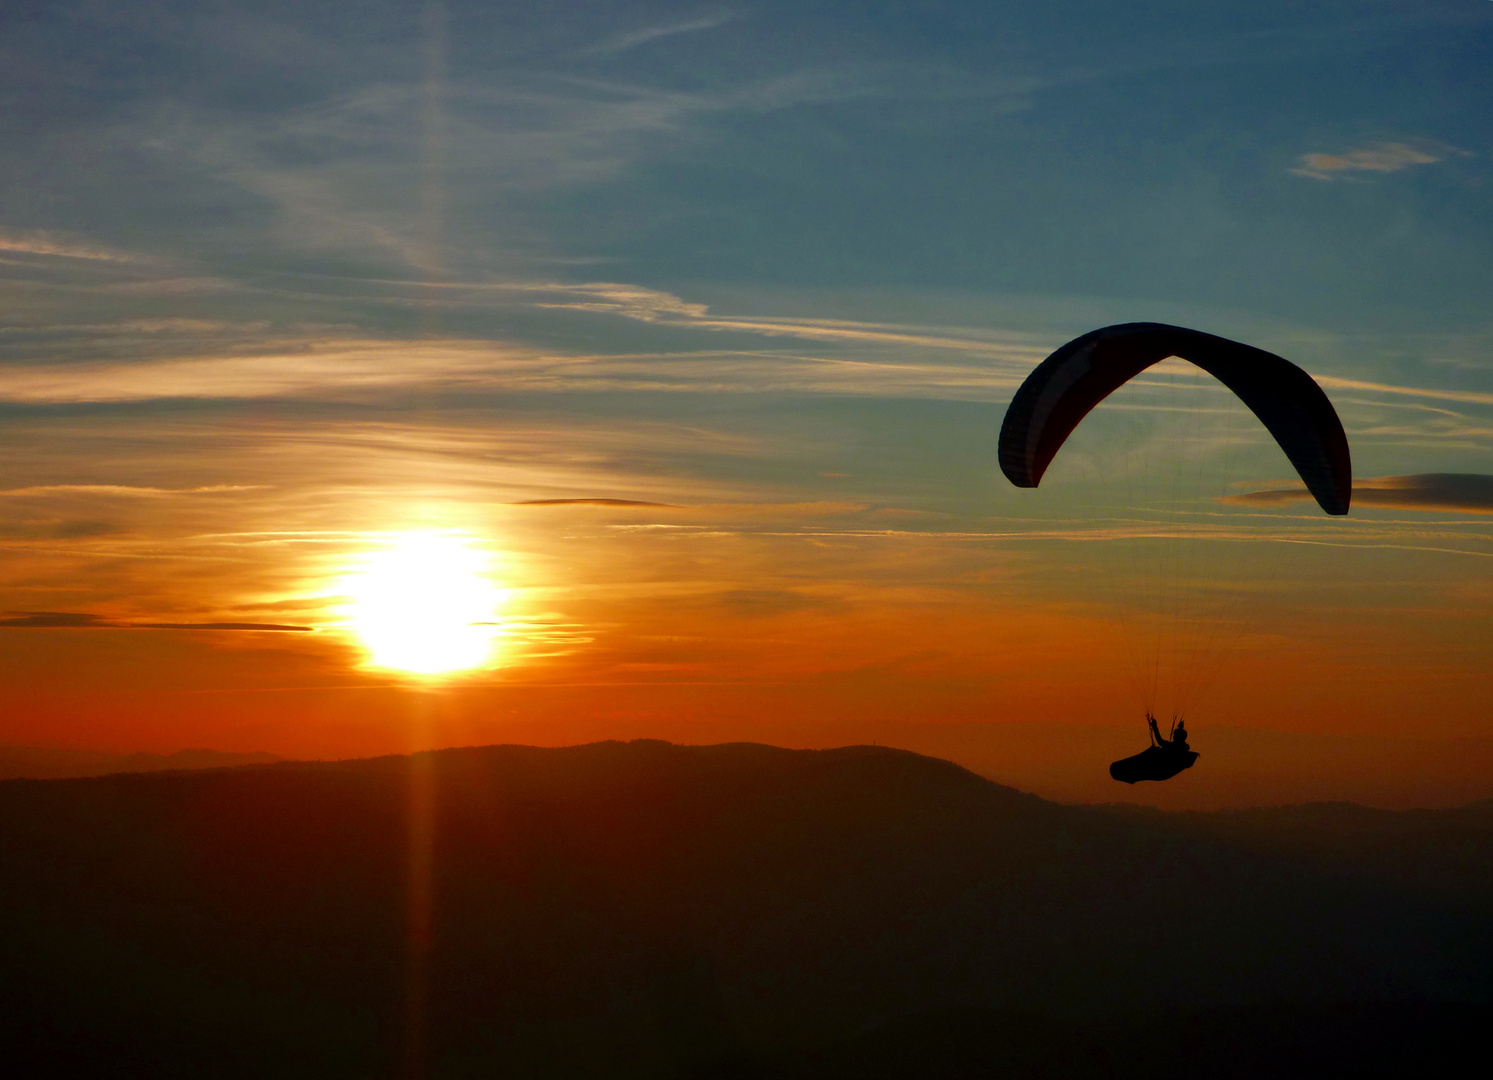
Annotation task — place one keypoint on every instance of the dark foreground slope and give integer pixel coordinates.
(652, 910)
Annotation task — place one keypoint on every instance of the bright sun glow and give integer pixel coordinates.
(425, 604)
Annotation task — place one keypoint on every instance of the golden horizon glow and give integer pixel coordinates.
(426, 604)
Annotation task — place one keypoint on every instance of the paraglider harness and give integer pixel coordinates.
(1162, 760)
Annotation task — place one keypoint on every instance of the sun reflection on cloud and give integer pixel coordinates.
(426, 604)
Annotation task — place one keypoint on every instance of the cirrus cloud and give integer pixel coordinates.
(34, 242)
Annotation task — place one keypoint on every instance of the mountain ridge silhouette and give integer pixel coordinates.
(57, 763)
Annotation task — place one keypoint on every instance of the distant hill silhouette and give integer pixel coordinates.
(47, 763)
(650, 910)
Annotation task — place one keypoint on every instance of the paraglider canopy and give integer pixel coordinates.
(1066, 386)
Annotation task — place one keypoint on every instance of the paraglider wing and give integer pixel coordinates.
(1069, 383)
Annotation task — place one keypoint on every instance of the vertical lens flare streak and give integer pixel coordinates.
(419, 909)
(425, 604)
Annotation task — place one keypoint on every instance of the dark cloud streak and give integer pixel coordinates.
(76, 620)
(1464, 493)
(590, 502)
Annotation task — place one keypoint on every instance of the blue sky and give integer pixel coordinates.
(1145, 152)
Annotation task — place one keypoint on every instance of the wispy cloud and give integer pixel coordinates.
(613, 298)
(1468, 493)
(655, 306)
(309, 368)
(340, 173)
(719, 513)
(186, 357)
(42, 243)
(1384, 157)
(150, 327)
(175, 286)
(344, 369)
(1471, 397)
(633, 38)
(122, 490)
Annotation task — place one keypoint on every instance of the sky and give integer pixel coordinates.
(385, 375)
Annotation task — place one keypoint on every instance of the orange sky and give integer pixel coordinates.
(798, 623)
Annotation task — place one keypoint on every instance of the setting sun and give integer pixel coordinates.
(425, 604)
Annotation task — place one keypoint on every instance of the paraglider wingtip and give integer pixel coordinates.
(1020, 477)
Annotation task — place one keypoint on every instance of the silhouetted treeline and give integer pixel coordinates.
(649, 910)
